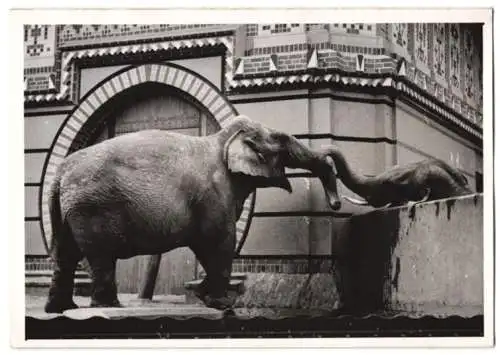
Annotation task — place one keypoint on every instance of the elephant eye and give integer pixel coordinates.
(261, 157)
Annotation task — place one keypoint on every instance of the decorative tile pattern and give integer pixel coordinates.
(67, 89)
(43, 85)
(455, 57)
(39, 45)
(298, 47)
(400, 34)
(91, 34)
(39, 57)
(382, 30)
(422, 43)
(269, 29)
(317, 26)
(468, 53)
(252, 30)
(367, 29)
(439, 50)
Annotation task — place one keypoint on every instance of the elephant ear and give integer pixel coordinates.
(242, 155)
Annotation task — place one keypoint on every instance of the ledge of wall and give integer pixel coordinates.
(426, 260)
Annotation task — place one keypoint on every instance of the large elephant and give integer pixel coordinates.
(426, 180)
(149, 192)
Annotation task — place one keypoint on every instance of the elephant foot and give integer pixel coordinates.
(104, 304)
(56, 306)
(200, 293)
(220, 303)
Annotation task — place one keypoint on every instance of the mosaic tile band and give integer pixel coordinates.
(433, 63)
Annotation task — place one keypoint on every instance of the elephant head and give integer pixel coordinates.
(429, 179)
(263, 154)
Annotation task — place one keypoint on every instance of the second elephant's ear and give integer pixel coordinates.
(242, 155)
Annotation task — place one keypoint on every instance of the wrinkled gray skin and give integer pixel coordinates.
(149, 192)
(427, 180)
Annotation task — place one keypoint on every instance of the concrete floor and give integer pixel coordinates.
(177, 306)
(161, 304)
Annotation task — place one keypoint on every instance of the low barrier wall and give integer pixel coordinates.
(427, 259)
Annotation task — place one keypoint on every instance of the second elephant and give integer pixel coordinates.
(426, 180)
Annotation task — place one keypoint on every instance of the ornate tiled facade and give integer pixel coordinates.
(455, 58)
(422, 44)
(439, 52)
(71, 35)
(400, 34)
(440, 59)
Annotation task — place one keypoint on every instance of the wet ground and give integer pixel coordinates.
(173, 316)
(177, 306)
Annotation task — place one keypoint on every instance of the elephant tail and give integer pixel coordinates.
(55, 214)
(62, 242)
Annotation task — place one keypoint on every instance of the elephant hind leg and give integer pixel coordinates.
(66, 256)
(104, 290)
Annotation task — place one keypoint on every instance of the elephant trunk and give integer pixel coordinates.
(359, 184)
(299, 156)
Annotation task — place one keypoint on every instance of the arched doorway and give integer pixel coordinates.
(164, 96)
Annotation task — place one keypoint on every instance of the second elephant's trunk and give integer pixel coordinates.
(359, 184)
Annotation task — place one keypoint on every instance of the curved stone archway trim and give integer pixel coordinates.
(169, 74)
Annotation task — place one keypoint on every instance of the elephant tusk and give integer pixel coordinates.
(426, 197)
(411, 204)
(355, 201)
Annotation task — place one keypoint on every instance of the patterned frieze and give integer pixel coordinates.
(456, 58)
(441, 59)
(421, 41)
(39, 57)
(469, 72)
(77, 35)
(439, 51)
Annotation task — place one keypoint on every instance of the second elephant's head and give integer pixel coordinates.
(264, 153)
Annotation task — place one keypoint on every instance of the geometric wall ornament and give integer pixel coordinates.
(439, 51)
(239, 64)
(422, 43)
(468, 53)
(68, 60)
(401, 67)
(168, 74)
(273, 63)
(39, 46)
(312, 58)
(360, 62)
(456, 53)
(400, 34)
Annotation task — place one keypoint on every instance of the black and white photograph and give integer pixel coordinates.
(250, 180)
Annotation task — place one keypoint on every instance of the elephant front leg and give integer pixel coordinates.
(104, 290)
(217, 263)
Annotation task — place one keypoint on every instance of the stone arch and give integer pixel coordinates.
(176, 76)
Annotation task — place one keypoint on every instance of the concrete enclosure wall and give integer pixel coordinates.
(426, 260)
